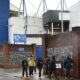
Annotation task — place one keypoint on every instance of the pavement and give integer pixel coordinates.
(16, 74)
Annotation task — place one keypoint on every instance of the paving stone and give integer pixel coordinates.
(17, 75)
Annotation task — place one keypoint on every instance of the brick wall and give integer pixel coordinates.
(64, 40)
(12, 56)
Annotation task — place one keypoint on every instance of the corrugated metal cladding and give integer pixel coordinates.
(50, 16)
(4, 15)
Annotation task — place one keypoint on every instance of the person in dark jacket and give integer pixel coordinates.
(68, 66)
(54, 67)
(40, 65)
(51, 67)
(24, 67)
(46, 65)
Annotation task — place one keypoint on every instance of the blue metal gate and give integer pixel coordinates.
(38, 52)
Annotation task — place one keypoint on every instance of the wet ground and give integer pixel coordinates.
(16, 74)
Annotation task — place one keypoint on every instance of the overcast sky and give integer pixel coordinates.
(32, 5)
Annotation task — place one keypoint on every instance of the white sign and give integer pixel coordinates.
(58, 65)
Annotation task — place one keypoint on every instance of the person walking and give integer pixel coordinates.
(68, 66)
(46, 65)
(40, 65)
(24, 67)
(31, 66)
(54, 67)
(51, 67)
(51, 64)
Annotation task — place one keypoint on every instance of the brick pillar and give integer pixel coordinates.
(44, 51)
(5, 55)
(76, 51)
(34, 50)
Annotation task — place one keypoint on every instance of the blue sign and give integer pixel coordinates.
(21, 49)
(19, 38)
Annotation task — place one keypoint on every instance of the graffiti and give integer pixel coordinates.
(1, 57)
(59, 52)
(18, 57)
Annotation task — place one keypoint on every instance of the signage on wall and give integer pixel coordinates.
(19, 38)
(21, 49)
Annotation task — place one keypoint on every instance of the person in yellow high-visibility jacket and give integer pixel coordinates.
(31, 66)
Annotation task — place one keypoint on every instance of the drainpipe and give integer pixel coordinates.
(52, 27)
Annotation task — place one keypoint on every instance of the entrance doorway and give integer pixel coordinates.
(38, 52)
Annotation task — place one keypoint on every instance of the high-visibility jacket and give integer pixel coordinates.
(31, 62)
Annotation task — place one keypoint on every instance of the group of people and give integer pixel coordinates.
(31, 65)
(50, 64)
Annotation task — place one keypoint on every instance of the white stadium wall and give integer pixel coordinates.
(75, 16)
(38, 41)
(35, 26)
(16, 26)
